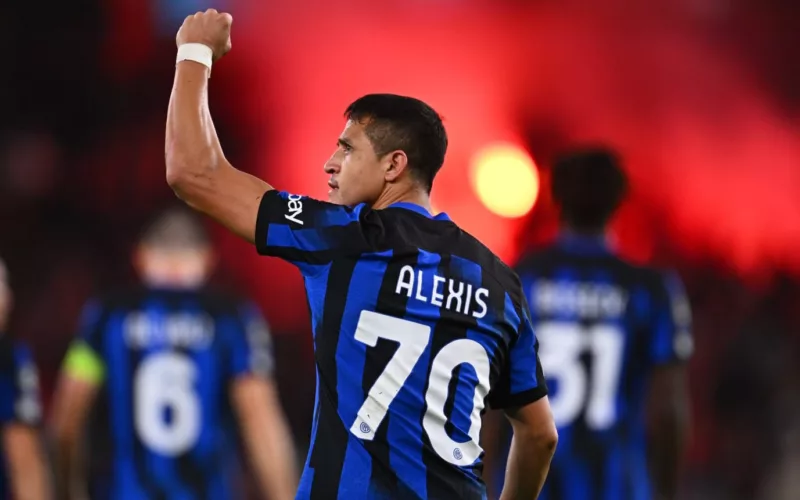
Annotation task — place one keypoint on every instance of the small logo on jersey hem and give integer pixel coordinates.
(364, 427)
(457, 454)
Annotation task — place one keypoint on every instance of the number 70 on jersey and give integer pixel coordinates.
(413, 339)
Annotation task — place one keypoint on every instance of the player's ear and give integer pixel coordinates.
(397, 163)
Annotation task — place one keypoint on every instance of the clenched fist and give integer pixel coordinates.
(211, 28)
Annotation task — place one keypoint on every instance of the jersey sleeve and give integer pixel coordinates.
(672, 323)
(306, 231)
(83, 360)
(21, 401)
(251, 344)
(522, 381)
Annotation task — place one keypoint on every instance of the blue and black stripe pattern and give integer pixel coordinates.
(604, 325)
(163, 427)
(20, 402)
(417, 328)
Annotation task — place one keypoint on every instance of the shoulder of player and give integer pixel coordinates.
(544, 260)
(216, 301)
(491, 265)
(8, 347)
(12, 352)
(643, 272)
(116, 298)
(227, 302)
(399, 222)
(656, 279)
(451, 239)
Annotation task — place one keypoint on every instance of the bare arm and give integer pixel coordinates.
(532, 448)
(196, 167)
(667, 423)
(266, 435)
(73, 399)
(26, 464)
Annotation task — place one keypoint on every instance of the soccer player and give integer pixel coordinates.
(614, 339)
(24, 473)
(168, 368)
(417, 326)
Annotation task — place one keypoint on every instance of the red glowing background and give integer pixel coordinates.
(713, 159)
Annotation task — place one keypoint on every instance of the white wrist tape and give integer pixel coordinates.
(196, 52)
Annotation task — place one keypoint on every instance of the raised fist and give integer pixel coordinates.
(211, 28)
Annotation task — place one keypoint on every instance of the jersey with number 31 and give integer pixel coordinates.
(163, 427)
(417, 327)
(604, 325)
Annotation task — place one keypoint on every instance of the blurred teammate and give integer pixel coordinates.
(614, 337)
(167, 367)
(23, 474)
(416, 324)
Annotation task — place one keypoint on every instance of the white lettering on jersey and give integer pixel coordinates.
(482, 312)
(442, 291)
(585, 300)
(454, 295)
(436, 297)
(194, 331)
(295, 209)
(405, 282)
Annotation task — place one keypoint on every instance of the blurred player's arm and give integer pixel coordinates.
(197, 169)
(26, 463)
(81, 374)
(266, 435)
(668, 398)
(667, 428)
(523, 395)
(254, 396)
(532, 448)
(25, 458)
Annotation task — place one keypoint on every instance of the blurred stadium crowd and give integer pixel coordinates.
(81, 169)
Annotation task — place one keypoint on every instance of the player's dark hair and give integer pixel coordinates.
(395, 122)
(588, 184)
(176, 228)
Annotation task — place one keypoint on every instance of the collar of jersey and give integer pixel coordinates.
(419, 209)
(584, 244)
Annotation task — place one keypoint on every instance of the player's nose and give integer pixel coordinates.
(332, 166)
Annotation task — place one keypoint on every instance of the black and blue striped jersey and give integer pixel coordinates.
(604, 325)
(417, 327)
(163, 426)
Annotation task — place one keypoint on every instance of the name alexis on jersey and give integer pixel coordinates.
(454, 295)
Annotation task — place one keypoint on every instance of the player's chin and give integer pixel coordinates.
(334, 196)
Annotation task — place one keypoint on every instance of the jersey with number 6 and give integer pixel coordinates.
(603, 324)
(163, 426)
(417, 326)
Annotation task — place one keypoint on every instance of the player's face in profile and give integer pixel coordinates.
(356, 172)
